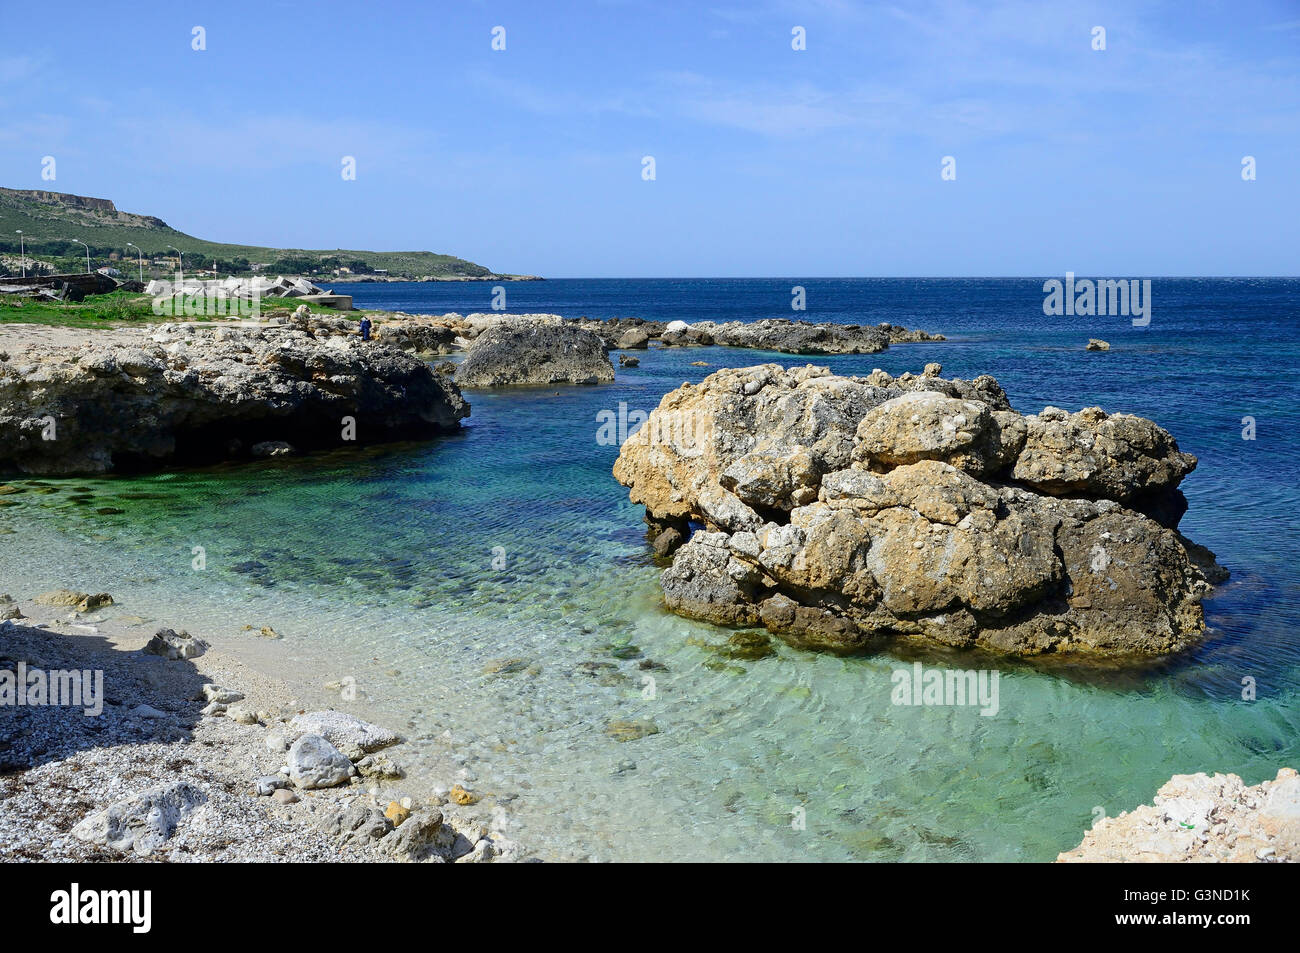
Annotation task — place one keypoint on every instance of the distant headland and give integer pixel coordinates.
(54, 225)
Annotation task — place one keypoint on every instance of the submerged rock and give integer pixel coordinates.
(842, 511)
(204, 394)
(518, 353)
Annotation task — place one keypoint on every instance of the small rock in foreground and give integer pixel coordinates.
(1198, 818)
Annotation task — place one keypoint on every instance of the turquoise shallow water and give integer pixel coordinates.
(386, 565)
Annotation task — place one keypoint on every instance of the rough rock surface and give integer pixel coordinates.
(772, 334)
(131, 399)
(533, 352)
(175, 646)
(1199, 818)
(348, 733)
(422, 337)
(838, 511)
(315, 763)
(439, 334)
(144, 822)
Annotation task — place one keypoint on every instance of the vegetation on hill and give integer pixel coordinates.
(127, 307)
(51, 221)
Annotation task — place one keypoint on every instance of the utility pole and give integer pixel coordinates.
(87, 247)
(141, 251)
(22, 255)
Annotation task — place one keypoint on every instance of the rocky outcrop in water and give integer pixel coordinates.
(1196, 818)
(514, 353)
(842, 511)
(195, 394)
(773, 334)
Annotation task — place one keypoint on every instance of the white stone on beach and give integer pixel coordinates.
(241, 714)
(348, 733)
(315, 763)
(268, 784)
(215, 693)
(143, 822)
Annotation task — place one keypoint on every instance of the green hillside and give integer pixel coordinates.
(51, 220)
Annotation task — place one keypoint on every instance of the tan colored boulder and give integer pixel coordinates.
(842, 511)
(1092, 453)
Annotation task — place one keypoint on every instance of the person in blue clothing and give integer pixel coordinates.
(365, 329)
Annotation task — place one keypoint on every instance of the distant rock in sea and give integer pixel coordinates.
(515, 353)
(782, 335)
(771, 334)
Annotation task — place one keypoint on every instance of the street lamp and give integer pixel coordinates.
(87, 247)
(141, 251)
(181, 256)
(22, 255)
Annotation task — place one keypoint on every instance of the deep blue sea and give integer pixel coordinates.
(466, 583)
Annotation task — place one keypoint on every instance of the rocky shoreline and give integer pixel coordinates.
(139, 398)
(1196, 818)
(195, 757)
(837, 512)
(442, 334)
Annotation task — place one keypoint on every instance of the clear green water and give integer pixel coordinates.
(379, 565)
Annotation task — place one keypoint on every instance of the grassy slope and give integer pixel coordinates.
(123, 307)
(44, 222)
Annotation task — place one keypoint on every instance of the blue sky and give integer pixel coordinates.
(769, 161)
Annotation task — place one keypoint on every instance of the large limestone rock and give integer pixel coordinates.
(1197, 818)
(1095, 454)
(925, 425)
(184, 393)
(526, 352)
(842, 511)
